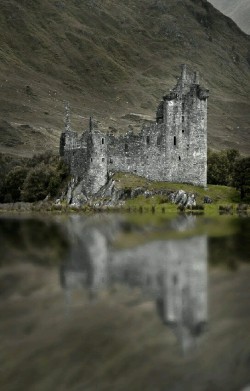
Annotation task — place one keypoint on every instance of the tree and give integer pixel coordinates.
(221, 166)
(14, 182)
(218, 168)
(232, 156)
(241, 177)
(35, 186)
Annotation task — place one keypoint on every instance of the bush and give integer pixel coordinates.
(13, 184)
(241, 177)
(220, 167)
(31, 179)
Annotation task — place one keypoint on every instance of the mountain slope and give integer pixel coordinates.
(238, 10)
(110, 59)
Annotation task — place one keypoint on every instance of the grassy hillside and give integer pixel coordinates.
(112, 58)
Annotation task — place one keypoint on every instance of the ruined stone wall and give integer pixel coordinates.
(173, 149)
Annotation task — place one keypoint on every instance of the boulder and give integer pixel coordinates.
(182, 198)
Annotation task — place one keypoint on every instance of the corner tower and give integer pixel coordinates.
(183, 113)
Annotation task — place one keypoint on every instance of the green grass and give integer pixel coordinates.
(219, 194)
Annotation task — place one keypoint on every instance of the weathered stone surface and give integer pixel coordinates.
(75, 194)
(182, 198)
(172, 149)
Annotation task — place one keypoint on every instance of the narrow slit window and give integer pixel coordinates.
(174, 140)
(179, 158)
(183, 118)
(148, 140)
(102, 140)
(159, 140)
(91, 159)
(183, 106)
(126, 147)
(111, 160)
(103, 159)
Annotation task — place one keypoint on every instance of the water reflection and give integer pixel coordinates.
(111, 338)
(172, 272)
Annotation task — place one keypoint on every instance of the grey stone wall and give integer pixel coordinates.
(174, 148)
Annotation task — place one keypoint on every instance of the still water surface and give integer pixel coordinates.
(103, 303)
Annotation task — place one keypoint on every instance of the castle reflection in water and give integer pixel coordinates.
(172, 272)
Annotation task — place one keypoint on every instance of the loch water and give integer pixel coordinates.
(114, 302)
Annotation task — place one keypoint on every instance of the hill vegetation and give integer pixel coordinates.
(113, 58)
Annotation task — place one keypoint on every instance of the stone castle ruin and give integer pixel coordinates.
(172, 149)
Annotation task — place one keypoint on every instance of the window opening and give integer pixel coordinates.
(179, 158)
(148, 140)
(111, 160)
(183, 118)
(103, 159)
(102, 140)
(174, 140)
(126, 147)
(182, 130)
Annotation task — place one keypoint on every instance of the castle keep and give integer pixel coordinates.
(173, 149)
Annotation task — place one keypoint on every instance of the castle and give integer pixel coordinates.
(173, 149)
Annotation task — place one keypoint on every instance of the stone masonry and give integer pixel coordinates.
(173, 149)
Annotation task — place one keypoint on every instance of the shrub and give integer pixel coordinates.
(220, 166)
(14, 182)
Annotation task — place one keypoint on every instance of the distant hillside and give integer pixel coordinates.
(238, 10)
(111, 58)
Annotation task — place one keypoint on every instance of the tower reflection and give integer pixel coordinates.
(172, 272)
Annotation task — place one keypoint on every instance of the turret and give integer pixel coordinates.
(67, 122)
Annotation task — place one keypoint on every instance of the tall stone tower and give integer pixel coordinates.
(183, 113)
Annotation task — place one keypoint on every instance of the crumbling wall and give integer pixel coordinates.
(173, 149)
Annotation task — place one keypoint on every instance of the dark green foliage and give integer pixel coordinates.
(230, 169)
(220, 166)
(36, 183)
(41, 176)
(241, 177)
(13, 183)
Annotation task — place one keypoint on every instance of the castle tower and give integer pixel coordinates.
(97, 159)
(184, 115)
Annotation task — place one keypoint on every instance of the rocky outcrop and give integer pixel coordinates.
(111, 195)
(182, 198)
(74, 194)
